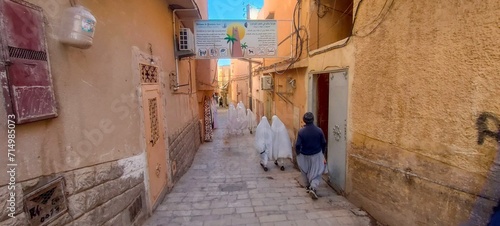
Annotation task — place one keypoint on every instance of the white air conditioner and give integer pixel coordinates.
(186, 40)
(266, 83)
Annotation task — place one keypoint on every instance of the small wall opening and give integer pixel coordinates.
(331, 21)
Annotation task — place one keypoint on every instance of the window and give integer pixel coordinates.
(24, 64)
(331, 21)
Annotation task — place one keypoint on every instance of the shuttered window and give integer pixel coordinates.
(24, 66)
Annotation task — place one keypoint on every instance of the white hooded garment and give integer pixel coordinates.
(282, 146)
(232, 119)
(242, 117)
(264, 136)
(251, 120)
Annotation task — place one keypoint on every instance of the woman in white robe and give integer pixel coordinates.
(251, 121)
(232, 117)
(241, 118)
(264, 141)
(282, 146)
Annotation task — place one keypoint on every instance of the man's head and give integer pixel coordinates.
(308, 118)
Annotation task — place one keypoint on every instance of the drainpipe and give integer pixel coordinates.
(249, 70)
(176, 87)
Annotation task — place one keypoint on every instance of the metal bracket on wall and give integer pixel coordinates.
(336, 133)
(158, 169)
(173, 81)
(284, 98)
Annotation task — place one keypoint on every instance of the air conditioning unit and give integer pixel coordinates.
(186, 40)
(266, 82)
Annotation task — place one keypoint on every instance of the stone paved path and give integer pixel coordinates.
(226, 186)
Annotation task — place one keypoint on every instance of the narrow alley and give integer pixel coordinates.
(226, 186)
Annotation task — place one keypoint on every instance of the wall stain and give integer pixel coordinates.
(481, 213)
(482, 127)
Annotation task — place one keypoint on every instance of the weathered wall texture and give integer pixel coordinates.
(425, 72)
(290, 99)
(328, 23)
(96, 195)
(96, 93)
(183, 147)
(206, 71)
(240, 90)
(239, 82)
(99, 123)
(223, 75)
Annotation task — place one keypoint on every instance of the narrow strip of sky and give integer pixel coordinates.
(230, 9)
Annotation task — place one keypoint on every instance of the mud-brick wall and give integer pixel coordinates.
(183, 146)
(111, 193)
(424, 95)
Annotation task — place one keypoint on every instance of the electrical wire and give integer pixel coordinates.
(197, 8)
(298, 37)
(190, 88)
(379, 17)
(304, 28)
(325, 10)
(296, 25)
(299, 40)
(348, 38)
(344, 14)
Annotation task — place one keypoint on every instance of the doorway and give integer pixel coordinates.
(154, 136)
(337, 129)
(322, 94)
(327, 99)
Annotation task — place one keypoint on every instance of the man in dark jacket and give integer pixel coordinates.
(310, 146)
(495, 217)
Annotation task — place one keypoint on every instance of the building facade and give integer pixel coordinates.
(124, 120)
(224, 76)
(405, 93)
(239, 83)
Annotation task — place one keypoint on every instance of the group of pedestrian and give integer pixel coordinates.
(273, 143)
(240, 119)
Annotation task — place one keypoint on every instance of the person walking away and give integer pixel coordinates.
(263, 141)
(232, 119)
(310, 148)
(242, 123)
(251, 121)
(282, 146)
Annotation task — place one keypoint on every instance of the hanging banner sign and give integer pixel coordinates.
(235, 39)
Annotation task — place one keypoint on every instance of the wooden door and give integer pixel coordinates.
(155, 141)
(337, 129)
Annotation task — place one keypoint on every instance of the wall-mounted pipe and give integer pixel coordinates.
(176, 86)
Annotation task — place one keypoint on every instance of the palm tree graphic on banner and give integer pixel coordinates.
(235, 33)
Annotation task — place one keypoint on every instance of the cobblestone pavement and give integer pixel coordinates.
(227, 186)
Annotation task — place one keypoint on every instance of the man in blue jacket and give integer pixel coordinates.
(310, 146)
